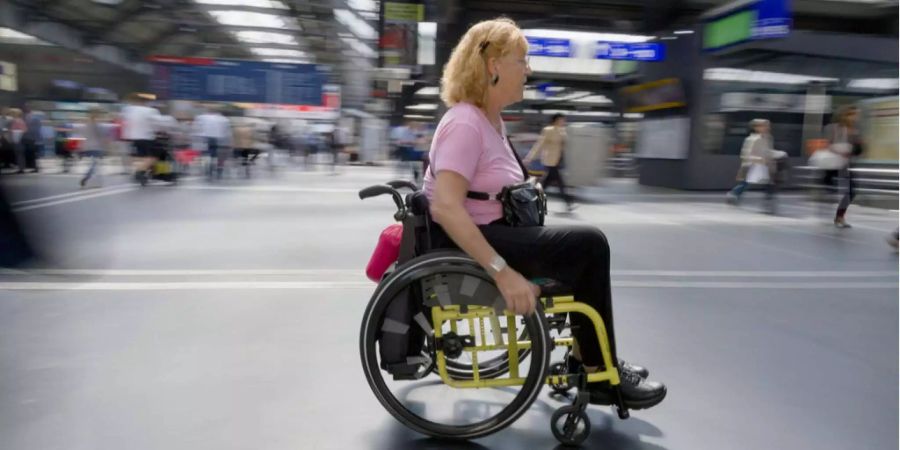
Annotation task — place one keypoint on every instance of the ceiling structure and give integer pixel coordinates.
(343, 33)
(304, 31)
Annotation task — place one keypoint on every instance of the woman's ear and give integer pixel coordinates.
(492, 67)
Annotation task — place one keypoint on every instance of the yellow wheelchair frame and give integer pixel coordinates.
(476, 315)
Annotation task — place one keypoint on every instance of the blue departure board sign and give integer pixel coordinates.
(557, 48)
(226, 80)
(643, 51)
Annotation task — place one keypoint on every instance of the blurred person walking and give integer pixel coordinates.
(245, 145)
(17, 129)
(139, 123)
(7, 152)
(759, 164)
(551, 146)
(404, 137)
(215, 130)
(338, 144)
(32, 140)
(844, 145)
(96, 144)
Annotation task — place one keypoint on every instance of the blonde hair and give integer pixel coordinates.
(757, 122)
(840, 116)
(465, 75)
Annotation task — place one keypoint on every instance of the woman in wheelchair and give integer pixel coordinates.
(472, 317)
(470, 152)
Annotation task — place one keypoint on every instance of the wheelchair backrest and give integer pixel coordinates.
(417, 227)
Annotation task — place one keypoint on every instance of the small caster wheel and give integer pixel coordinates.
(570, 425)
(560, 369)
(621, 412)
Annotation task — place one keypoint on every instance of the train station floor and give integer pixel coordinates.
(226, 316)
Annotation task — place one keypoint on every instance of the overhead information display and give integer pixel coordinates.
(226, 80)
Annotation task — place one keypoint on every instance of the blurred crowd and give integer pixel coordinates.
(149, 141)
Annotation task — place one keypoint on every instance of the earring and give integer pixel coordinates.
(495, 80)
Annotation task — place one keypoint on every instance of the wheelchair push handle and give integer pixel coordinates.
(381, 189)
(398, 184)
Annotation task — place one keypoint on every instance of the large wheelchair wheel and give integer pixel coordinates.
(424, 402)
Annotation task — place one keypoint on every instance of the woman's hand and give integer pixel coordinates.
(520, 294)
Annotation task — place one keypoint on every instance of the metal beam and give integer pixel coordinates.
(15, 17)
(124, 18)
(165, 36)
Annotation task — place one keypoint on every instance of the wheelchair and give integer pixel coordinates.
(466, 367)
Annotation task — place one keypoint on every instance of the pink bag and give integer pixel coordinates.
(386, 252)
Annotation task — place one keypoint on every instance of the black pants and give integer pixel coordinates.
(554, 176)
(832, 180)
(575, 255)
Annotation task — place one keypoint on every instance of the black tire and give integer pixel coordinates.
(413, 271)
(570, 425)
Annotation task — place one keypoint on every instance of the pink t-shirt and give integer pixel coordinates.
(465, 142)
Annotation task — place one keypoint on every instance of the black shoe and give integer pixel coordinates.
(637, 392)
(640, 370)
(83, 182)
(576, 366)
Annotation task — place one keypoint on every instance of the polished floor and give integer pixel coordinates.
(226, 316)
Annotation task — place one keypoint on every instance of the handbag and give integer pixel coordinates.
(835, 156)
(827, 160)
(758, 174)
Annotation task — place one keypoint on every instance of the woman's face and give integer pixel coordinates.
(851, 117)
(513, 69)
(762, 128)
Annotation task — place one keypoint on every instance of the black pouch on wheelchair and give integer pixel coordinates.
(524, 204)
(402, 340)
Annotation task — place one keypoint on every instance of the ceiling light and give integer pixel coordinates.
(683, 32)
(356, 25)
(286, 60)
(265, 37)
(756, 76)
(363, 5)
(423, 107)
(573, 96)
(359, 47)
(582, 35)
(248, 19)
(874, 83)
(593, 99)
(274, 4)
(283, 52)
(428, 92)
(9, 33)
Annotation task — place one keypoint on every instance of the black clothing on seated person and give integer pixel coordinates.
(575, 255)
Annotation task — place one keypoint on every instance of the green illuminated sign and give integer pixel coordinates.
(729, 30)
